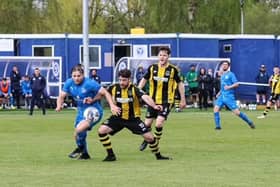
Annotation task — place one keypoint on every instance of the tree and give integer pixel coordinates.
(15, 16)
(217, 17)
(156, 16)
(262, 18)
(71, 16)
(158, 19)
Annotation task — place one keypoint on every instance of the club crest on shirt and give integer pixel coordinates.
(167, 73)
(83, 90)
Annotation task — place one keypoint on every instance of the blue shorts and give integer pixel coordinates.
(80, 117)
(229, 101)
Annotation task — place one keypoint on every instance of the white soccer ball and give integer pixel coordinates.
(91, 114)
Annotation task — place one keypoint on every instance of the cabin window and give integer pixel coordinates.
(227, 48)
(94, 56)
(42, 50)
(154, 48)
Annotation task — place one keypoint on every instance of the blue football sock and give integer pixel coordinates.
(217, 119)
(81, 141)
(245, 118)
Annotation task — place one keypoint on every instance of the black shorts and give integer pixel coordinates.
(152, 113)
(177, 95)
(136, 125)
(262, 90)
(274, 97)
(193, 90)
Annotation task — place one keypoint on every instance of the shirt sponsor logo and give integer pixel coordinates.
(124, 100)
(160, 79)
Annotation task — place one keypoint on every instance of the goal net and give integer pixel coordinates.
(182, 63)
(50, 68)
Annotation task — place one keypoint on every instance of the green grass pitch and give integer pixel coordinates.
(34, 149)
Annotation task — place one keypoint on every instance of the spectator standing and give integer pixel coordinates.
(15, 78)
(177, 97)
(38, 85)
(262, 78)
(210, 86)
(191, 78)
(216, 83)
(94, 76)
(26, 91)
(139, 74)
(203, 87)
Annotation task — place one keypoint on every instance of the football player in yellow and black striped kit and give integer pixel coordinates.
(127, 97)
(162, 78)
(274, 82)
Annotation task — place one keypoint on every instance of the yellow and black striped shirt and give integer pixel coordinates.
(127, 99)
(275, 84)
(162, 82)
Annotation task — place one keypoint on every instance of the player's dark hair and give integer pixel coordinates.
(126, 73)
(202, 68)
(225, 61)
(165, 48)
(78, 68)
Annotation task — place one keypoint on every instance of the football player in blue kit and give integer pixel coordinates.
(226, 96)
(83, 90)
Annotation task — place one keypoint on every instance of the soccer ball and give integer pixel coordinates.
(91, 114)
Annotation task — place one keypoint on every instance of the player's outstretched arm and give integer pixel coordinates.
(103, 92)
(235, 85)
(60, 101)
(181, 88)
(151, 102)
(142, 83)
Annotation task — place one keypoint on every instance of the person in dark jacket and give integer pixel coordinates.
(217, 84)
(94, 76)
(262, 78)
(139, 74)
(15, 78)
(211, 87)
(38, 85)
(204, 81)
